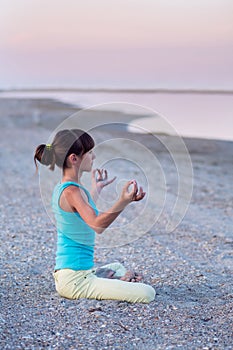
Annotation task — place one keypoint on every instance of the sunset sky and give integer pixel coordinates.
(123, 43)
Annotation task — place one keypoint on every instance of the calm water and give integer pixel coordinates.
(191, 115)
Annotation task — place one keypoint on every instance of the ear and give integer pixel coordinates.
(73, 158)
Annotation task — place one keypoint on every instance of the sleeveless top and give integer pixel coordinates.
(75, 239)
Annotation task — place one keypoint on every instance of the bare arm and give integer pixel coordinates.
(100, 222)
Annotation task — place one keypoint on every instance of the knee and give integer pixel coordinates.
(149, 294)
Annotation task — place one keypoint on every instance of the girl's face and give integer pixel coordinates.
(87, 161)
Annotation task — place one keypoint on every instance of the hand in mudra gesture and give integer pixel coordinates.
(134, 194)
(100, 179)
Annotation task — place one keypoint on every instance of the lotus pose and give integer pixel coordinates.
(78, 220)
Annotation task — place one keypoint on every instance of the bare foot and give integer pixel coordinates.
(131, 276)
(105, 273)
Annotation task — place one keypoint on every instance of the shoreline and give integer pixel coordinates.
(123, 90)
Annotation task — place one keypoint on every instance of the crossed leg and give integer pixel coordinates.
(73, 284)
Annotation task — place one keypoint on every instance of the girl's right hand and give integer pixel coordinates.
(133, 195)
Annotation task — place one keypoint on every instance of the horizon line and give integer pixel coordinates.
(122, 90)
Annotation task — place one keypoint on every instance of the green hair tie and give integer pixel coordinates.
(48, 146)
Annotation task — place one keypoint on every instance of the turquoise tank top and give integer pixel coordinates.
(75, 239)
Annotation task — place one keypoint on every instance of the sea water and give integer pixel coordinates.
(189, 114)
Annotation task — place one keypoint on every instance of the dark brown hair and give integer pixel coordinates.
(64, 143)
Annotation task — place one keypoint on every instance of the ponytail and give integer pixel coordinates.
(45, 155)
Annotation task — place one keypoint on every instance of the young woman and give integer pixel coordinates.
(77, 221)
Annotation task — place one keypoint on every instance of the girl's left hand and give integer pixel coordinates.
(100, 180)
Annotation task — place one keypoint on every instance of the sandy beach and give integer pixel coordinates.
(190, 268)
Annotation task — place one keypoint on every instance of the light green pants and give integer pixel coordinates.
(73, 284)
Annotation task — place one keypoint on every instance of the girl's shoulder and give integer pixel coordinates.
(63, 185)
(70, 186)
(69, 183)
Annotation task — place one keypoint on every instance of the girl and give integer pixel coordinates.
(77, 221)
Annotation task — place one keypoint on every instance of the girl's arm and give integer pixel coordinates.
(99, 181)
(99, 223)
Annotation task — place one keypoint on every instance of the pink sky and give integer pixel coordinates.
(116, 43)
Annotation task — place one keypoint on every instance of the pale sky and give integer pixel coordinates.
(134, 43)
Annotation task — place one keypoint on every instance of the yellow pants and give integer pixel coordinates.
(73, 284)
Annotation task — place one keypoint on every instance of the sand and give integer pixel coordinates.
(190, 268)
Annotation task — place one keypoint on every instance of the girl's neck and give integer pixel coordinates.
(71, 174)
